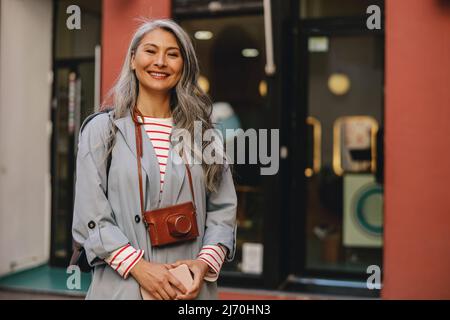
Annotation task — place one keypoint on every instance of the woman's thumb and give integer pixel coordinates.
(176, 264)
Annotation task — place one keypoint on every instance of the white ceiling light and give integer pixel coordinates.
(250, 52)
(203, 35)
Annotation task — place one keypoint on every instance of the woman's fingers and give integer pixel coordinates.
(193, 292)
(189, 296)
(197, 279)
(156, 295)
(195, 289)
(163, 293)
(179, 263)
(169, 291)
(177, 284)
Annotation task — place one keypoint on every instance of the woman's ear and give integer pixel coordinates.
(132, 61)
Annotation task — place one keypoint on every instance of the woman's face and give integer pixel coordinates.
(157, 61)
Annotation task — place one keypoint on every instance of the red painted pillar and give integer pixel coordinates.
(417, 176)
(119, 21)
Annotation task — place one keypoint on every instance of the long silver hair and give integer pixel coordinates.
(188, 101)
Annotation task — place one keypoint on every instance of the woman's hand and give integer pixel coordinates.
(157, 280)
(199, 268)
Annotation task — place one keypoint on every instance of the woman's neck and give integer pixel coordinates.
(154, 105)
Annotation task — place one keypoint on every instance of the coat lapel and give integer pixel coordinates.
(174, 178)
(149, 161)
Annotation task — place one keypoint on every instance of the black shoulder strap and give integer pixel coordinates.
(108, 163)
(79, 254)
(92, 116)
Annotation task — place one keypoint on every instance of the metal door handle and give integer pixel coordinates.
(317, 146)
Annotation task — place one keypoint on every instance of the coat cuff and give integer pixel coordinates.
(223, 235)
(102, 241)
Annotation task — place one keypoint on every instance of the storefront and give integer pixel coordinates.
(332, 211)
(316, 225)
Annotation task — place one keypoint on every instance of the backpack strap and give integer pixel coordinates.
(108, 162)
(79, 254)
(92, 116)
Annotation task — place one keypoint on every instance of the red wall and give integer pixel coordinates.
(118, 26)
(417, 176)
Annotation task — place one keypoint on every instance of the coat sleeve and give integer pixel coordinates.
(221, 215)
(94, 226)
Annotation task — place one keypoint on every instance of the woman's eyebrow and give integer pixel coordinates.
(154, 45)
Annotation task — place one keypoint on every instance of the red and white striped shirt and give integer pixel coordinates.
(126, 257)
(214, 256)
(158, 130)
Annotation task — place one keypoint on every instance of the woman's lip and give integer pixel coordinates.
(158, 75)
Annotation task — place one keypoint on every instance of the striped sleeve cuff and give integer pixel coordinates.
(214, 256)
(124, 259)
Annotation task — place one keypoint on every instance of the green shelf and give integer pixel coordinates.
(44, 279)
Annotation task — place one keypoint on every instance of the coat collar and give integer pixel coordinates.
(175, 169)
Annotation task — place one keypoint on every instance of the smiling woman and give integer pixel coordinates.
(157, 63)
(156, 92)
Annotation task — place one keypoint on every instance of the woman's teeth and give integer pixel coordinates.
(157, 75)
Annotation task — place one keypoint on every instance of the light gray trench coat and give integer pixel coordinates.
(103, 223)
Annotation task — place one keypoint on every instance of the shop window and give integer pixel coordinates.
(231, 56)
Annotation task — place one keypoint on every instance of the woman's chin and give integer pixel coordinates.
(157, 88)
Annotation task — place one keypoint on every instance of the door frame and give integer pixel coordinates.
(72, 64)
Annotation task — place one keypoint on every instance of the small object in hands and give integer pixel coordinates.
(182, 273)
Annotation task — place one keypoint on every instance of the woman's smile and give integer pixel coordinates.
(158, 75)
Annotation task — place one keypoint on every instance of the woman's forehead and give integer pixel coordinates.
(160, 38)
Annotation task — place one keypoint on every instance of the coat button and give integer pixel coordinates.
(137, 219)
(91, 224)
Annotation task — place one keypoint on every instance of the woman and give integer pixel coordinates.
(155, 95)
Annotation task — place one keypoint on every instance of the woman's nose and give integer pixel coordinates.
(160, 60)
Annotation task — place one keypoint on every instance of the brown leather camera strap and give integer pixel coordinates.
(139, 153)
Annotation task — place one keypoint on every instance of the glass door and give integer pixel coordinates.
(74, 53)
(73, 101)
(339, 224)
(344, 204)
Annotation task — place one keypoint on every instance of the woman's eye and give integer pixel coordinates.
(150, 51)
(173, 54)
